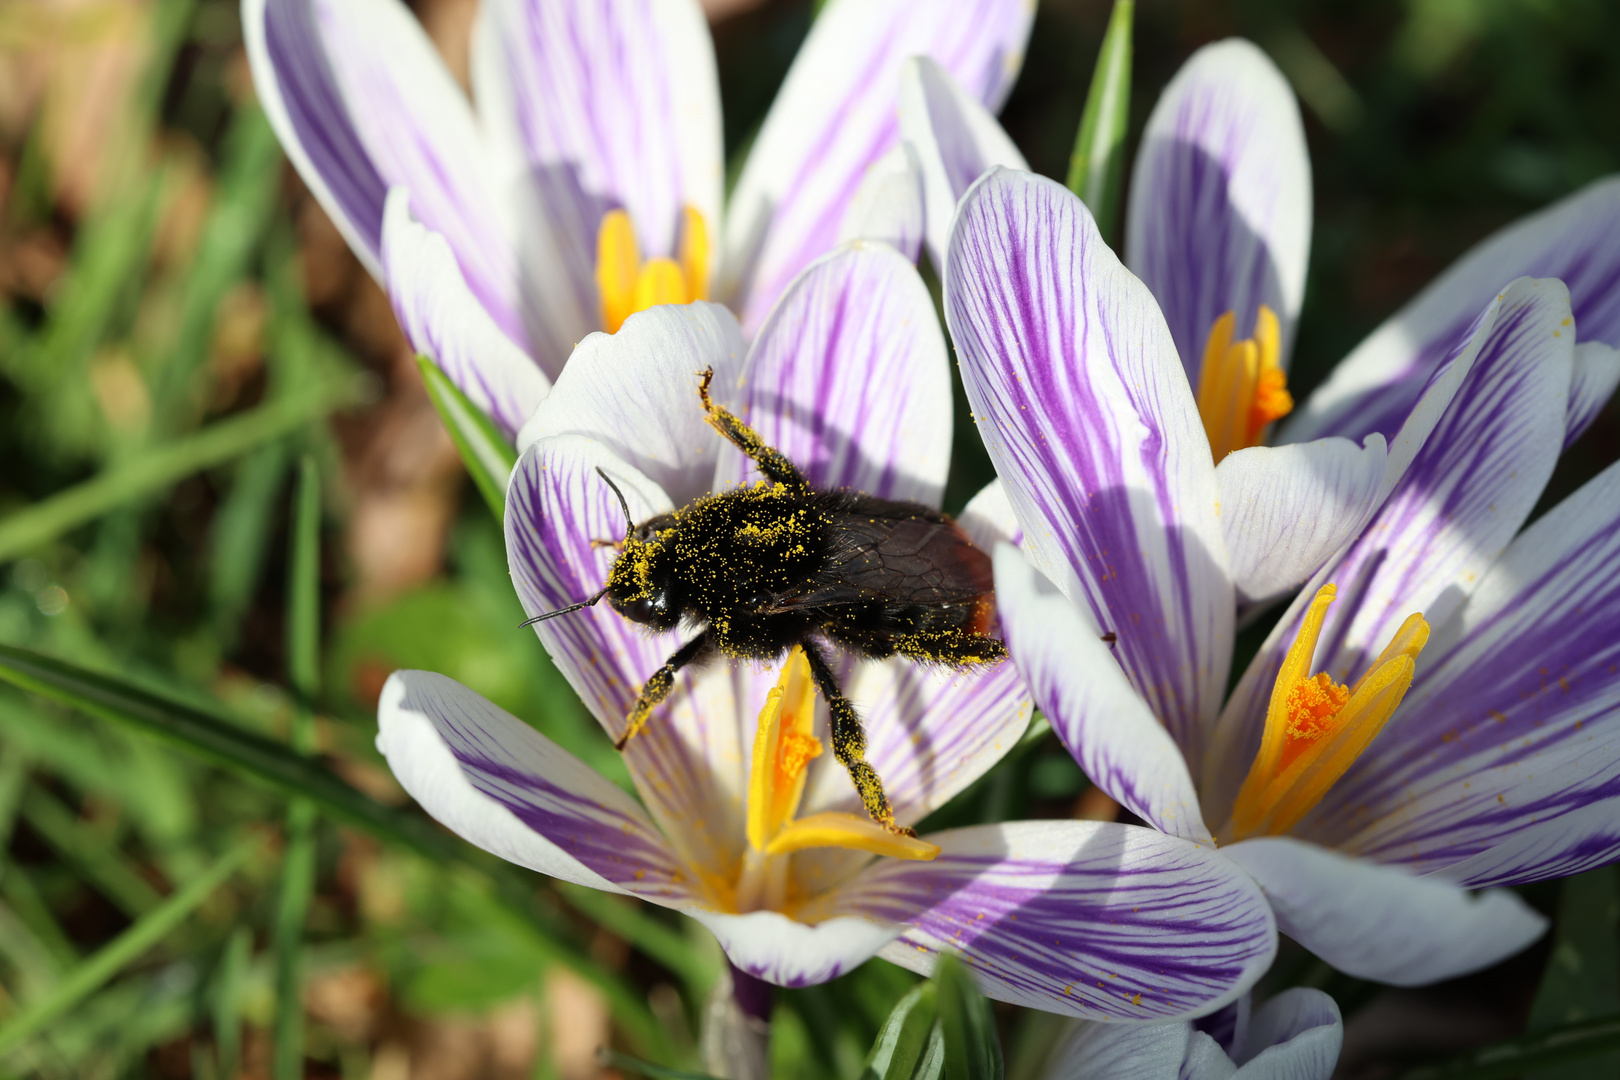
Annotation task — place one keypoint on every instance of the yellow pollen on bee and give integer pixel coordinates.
(1316, 728)
(627, 284)
(1241, 385)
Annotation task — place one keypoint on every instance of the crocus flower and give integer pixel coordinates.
(1294, 1036)
(587, 183)
(1218, 229)
(743, 821)
(1363, 818)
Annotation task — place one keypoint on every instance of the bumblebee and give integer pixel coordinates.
(760, 569)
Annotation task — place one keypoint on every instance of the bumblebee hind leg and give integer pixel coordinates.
(659, 686)
(849, 742)
(952, 647)
(772, 462)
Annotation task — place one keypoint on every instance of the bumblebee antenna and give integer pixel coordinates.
(564, 611)
(629, 524)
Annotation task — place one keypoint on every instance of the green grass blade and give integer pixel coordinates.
(155, 469)
(239, 536)
(488, 456)
(298, 863)
(637, 1067)
(123, 950)
(225, 1002)
(903, 1037)
(104, 867)
(1572, 1042)
(1097, 166)
(972, 1051)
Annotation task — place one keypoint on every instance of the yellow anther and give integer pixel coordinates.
(835, 829)
(627, 285)
(1241, 386)
(1316, 728)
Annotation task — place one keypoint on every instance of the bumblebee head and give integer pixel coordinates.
(641, 587)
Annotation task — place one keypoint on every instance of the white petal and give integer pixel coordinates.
(1576, 240)
(443, 319)
(989, 520)
(888, 206)
(636, 392)
(783, 951)
(1294, 1036)
(1098, 1051)
(1596, 374)
(1102, 720)
(956, 139)
(1285, 510)
(1381, 922)
(498, 783)
(1220, 208)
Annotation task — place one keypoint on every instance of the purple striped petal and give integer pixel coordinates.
(1571, 843)
(1220, 209)
(1576, 240)
(888, 206)
(850, 380)
(1102, 721)
(499, 784)
(1382, 922)
(414, 124)
(443, 320)
(1592, 384)
(1450, 516)
(689, 762)
(1294, 1036)
(786, 952)
(1077, 390)
(836, 114)
(956, 140)
(301, 99)
(1090, 919)
(1098, 1051)
(636, 392)
(1285, 510)
(608, 105)
(1513, 722)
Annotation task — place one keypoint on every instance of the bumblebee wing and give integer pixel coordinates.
(912, 559)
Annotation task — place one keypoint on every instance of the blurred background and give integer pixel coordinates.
(179, 318)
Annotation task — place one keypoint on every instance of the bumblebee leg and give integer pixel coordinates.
(849, 742)
(659, 686)
(772, 462)
(952, 647)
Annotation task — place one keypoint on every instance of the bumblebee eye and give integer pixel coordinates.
(756, 601)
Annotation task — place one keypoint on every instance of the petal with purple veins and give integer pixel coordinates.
(1382, 922)
(1592, 384)
(849, 378)
(1099, 1051)
(1090, 919)
(836, 114)
(1220, 209)
(1083, 406)
(771, 946)
(503, 786)
(1101, 719)
(1576, 240)
(442, 319)
(1294, 1036)
(956, 140)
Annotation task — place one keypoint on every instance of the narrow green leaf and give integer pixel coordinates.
(484, 450)
(1515, 1057)
(239, 537)
(1097, 166)
(972, 1051)
(123, 950)
(103, 866)
(646, 1068)
(904, 1036)
(155, 469)
(1582, 978)
(225, 1001)
(298, 862)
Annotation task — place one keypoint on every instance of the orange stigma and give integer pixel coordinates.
(1316, 728)
(1241, 385)
(627, 285)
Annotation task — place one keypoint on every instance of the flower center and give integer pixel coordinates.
(1316, 728)
(628, 285)
(784, 746)
(1241, 388)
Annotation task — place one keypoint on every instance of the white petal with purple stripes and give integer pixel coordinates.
(1083, 406)
(836, 114)
(1513, 723)
(1592, 384)
(1220, 208)
(1285, 510)
(636, 392)
(787, 952)
(1101, 719)
(1091, 919)
(888, 206)
(849, 379)
(1382, 922)
(1098, 1051)
(1294, 1036)
(442, 319)
(1576, 240)
(503, 786)
(956, 140)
